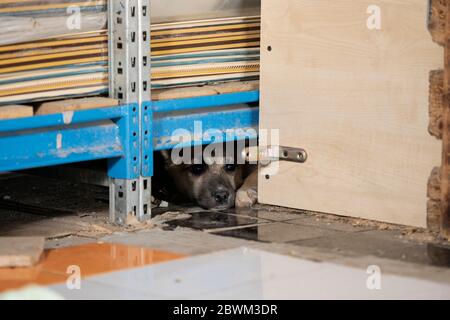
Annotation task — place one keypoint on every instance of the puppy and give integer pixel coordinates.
(219, 185)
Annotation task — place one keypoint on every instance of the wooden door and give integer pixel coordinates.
(348, 81)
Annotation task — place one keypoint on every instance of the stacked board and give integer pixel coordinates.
(205, 51)
(183, 54)
(48, 8)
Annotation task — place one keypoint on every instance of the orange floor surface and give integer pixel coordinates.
(57, 265)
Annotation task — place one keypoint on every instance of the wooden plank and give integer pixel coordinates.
(15, 111)
(445, 182)
(437, 21)
(190, 92)
(434, 201)
(75, 105)
(356, 99)
(20, 251)
(438, 188)
(436, 103)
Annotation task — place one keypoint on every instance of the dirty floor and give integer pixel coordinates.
(257, 253)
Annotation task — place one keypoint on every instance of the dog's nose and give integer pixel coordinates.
(221, 196)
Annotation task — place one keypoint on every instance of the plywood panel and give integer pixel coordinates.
(356, 100)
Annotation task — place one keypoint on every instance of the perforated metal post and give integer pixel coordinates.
(129, 82)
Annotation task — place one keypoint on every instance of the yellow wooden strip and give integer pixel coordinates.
(52, 64)
(207, 22)
(50, 51)
(199, 49)
(34, 45)
(53, 56)
(206, 71)
(203, 29)
(83, 91)
(36, 82)
(199, 41)
(52, 6)
(208, 78)
(47, 87)
(206, 36)
(175, 68)
(47, 72)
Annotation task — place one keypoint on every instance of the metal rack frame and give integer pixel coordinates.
(126, 135)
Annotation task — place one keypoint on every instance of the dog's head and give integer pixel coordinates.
(210, 185)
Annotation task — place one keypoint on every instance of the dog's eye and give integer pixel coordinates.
(197, 169)
(230, 168)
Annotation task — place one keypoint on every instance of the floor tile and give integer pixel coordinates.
(268, 215)
(207, 220)
(43, 227)
(15, 278)
(68, 241)
(183, 240)
(318, 222)
(278, 232)
(253, 274)
(91, 259)
(31, 292)
(97, 258)
(384, 244)
(331, 282)
(203, 274)
(439, 254)
(95, 291)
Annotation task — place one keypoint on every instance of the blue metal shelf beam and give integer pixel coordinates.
(61, 119)
(110, 133)
(172, 115)
(66, 138)
(215, 126)
(206, 101)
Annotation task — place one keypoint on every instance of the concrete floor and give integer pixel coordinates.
(68, 214)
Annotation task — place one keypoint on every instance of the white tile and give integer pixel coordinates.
(205, 273)
(252, 274)
(348, 284)
(97, 291)
(329, 281)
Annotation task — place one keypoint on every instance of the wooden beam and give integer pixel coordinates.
(436, 103)
(15, 111)
(434, 201)
(445, 179)
(439, 183)
(75, 105)
(437, 21)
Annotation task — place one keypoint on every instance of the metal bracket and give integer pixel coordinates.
(129, 82)
(267, 155)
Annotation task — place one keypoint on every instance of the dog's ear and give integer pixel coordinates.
(167, 157)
